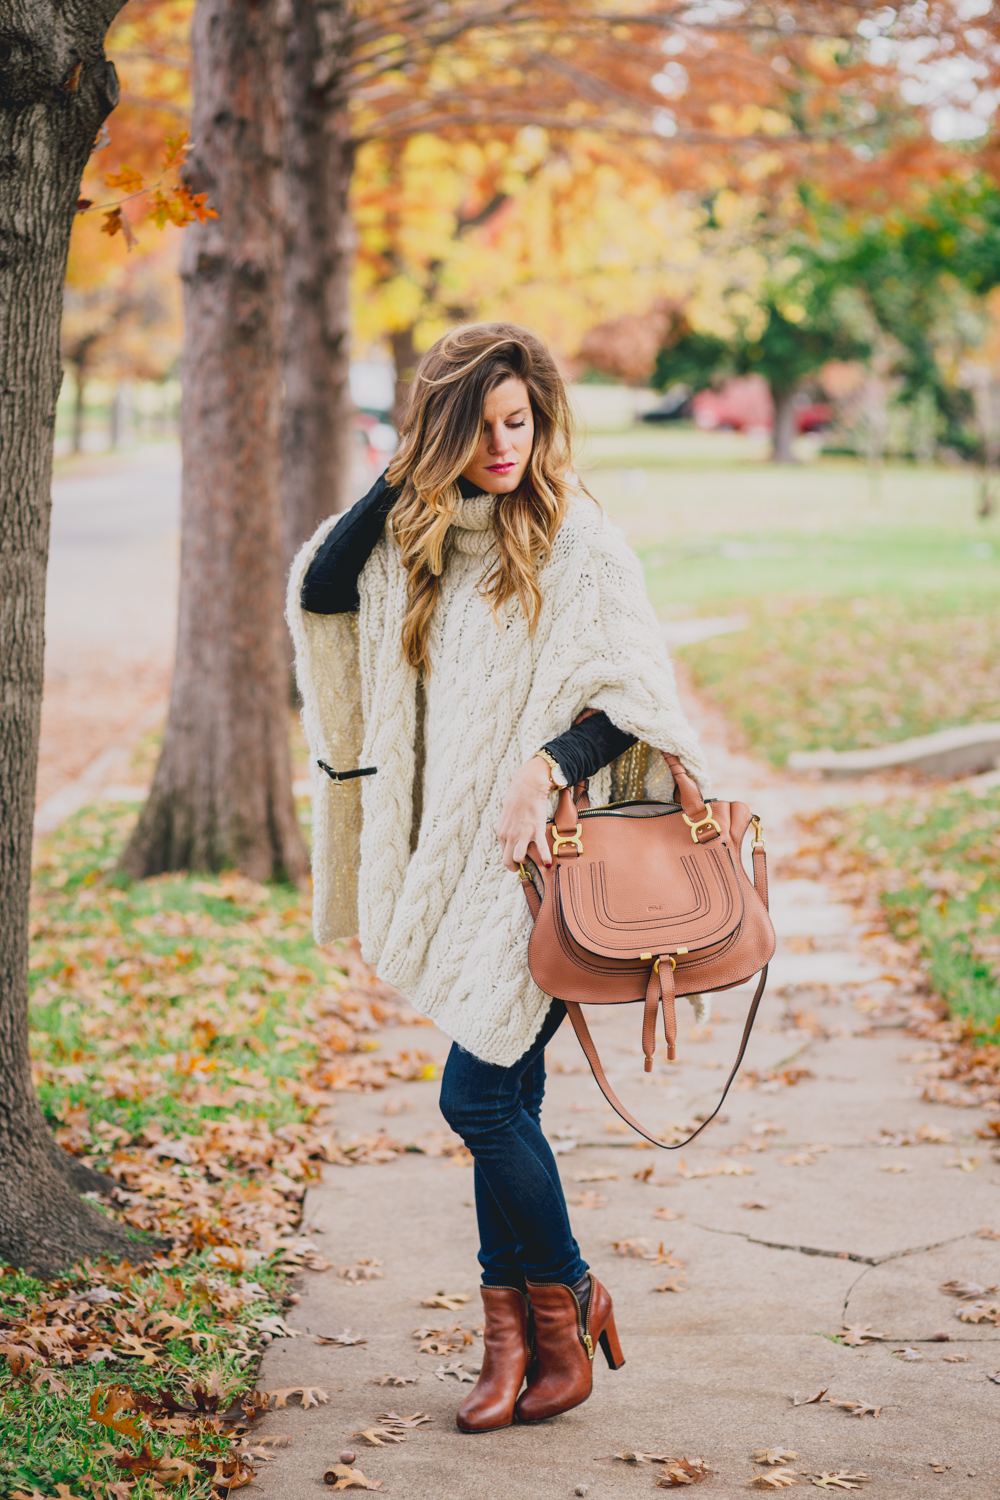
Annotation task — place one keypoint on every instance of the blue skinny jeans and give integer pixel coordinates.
(524, 1229)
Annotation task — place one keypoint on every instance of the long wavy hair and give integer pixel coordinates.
(440, 435)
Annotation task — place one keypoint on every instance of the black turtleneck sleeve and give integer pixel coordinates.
(583, 750)
(331, 583)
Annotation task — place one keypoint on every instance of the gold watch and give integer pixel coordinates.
(557, 777)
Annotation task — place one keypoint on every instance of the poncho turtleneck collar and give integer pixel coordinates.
(472, 527)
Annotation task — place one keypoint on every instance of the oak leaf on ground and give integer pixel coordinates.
(776, 1479)
(118, 1400)
(856, 1408)
(447, 1301)
(810, 1400)
(311, 1396)
(379, 1436)
(342, 1477)
(773, 1456)
(840, 1480)
(345, 1340)
(395, 1379)
(683, 1471)
(856, 1334)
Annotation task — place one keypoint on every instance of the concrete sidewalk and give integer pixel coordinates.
(793, 1167)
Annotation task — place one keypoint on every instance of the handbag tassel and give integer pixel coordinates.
(660, 992)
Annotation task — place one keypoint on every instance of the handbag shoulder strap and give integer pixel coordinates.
(587, 1042)
(590, 1052)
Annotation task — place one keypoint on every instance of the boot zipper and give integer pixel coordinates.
(585, 1339)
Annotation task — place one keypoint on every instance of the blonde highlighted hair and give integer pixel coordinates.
(440, 435)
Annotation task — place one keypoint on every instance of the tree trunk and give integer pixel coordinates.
(316, 439)
(405, 358)
(222, 794)
(55, 89)
(784, 424)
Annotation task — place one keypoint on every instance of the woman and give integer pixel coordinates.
(450, 630)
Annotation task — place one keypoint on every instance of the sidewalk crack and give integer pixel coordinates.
(863, 1260)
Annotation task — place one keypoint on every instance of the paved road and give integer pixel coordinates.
(712, 1368)
(110, 607)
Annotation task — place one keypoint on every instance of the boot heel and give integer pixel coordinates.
(610, 1346)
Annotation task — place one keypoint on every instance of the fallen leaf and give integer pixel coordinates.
(629, 1457)
(966, 1290)
(667, 1213)
(442, 1340)
(311, 1396)
(755, 1203)
(174, 1471)
(857, 1408)
(908, 1354)
(955, 1359)
(449, 1301)
(362, 1270)
(856, 1334)
(778, 1479)
(588, 1200)
(988, 1233)
(417, 1419)
(603, 1174)
(670, 1286)
(979, 1312)
(773, 1456)
(934, 1135)
(810, 1400)
(993, 1375)
(118, 1400)
(379, 1436)
(344, 1478)
(683, 1471)
(395, 1380)
(345, 1340)
(458, 1370)
(841, 1480)
(964, 1163)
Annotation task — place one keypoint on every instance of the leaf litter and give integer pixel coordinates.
(188, 1042)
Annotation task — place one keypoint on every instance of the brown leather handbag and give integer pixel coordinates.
(645, 901)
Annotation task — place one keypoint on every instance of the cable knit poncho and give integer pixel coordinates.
(410, 858)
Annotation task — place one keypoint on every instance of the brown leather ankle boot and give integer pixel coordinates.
(490, 1403)
(565, 1346)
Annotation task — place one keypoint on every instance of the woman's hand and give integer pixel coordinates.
(525, 813)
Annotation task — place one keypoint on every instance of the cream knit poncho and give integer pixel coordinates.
(422, 878)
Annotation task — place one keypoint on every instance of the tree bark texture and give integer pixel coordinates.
(316, 438)
(222, 796)
(55, 89)
(783, 437)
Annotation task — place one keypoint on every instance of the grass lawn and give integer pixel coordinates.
(870, 618)
(187, 1035)
(932, 862)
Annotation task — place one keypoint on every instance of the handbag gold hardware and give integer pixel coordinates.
(697, 824)
(561, 840)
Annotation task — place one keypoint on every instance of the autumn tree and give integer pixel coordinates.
(749, 89)
(56, 88)
(221, 794)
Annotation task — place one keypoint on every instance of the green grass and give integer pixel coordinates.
(870, 617)
(849, 673)
(935, 862)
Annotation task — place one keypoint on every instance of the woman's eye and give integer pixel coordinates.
(515, 424)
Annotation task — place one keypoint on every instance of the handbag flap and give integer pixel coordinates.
(642, 886)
